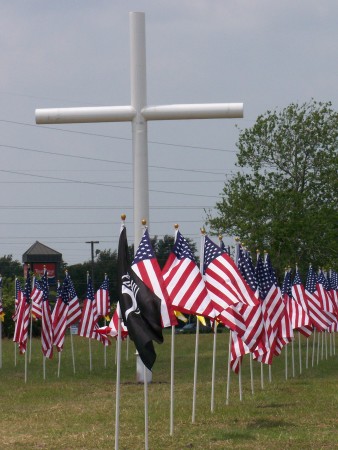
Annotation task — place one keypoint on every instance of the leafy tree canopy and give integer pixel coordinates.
(284, 199)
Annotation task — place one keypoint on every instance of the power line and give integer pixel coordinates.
(89, 158)
(106, 185)
(116, 137)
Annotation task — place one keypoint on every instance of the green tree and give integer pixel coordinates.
(10, 267)
(285, 197)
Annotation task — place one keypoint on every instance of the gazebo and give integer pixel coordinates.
(39, 256)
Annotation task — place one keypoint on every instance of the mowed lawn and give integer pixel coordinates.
(78, 411)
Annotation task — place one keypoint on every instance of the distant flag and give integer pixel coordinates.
(184, 281)
(237, 304)
(300, 320)
(66, 311)
(286, 335)
(273, 308)
(102, 299)
(112, 328)
(37, 294)
(18, 298)
(47, 333)
(329, 306)
(146, 267)
(140, 306)
(59, 315)
(320, 318)
(22, 316)
(74, 311)
(88, 326)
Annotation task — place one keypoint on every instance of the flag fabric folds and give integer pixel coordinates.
(140, 306)
(300, 318)
(66, 311)
(184, 281)
(36, 297)
(47, 334)
(22, 315)
(102, 299)
(88, 325)
(146, 267)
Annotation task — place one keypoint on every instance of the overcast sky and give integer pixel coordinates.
(68, 184)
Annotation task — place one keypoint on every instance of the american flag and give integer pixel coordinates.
(333, 289)
(37, 294)
(22, 317)
(66, 311)
(235, 301)
(184, 281)
(329, 306)
(300, 318)
(146, 267)
(47, 334)
(273, 309)
(59, 315)
(286, 333)
(223, 280)
(102, 299)
(18, 298)
(321, 319)
(112, 328)
(88, 326)
(74, 310)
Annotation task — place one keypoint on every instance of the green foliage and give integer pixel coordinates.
(9, 267)
(285, 201)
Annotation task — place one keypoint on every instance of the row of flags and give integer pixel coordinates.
(66, 312)
(244, 296)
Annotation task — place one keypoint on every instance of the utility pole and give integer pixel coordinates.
(92, 252)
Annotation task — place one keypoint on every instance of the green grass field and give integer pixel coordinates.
(78, 411)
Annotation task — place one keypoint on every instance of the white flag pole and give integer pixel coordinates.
(251, 375)
(300, 353)
(318, 346)
(89, 339)
(197, 334)
(293, 358)
(127, 348)
(307, 352)
(44, 367)
(118, 382)
(72, 347)
(30, 327)
(262, 376)
(240, 359)
(15, 299)
(212, 407)
(286, 361)
(59, 363)
(172, 366)
(146, 426)
(105, 349)
(313, 346)
(26, 361)
(195, 372)
(172, 380)
(228, 375)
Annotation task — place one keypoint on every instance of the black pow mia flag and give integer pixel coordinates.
(140, 307)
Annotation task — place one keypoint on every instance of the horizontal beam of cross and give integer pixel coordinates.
(127, 113)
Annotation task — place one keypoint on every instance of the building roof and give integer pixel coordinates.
(39, 252)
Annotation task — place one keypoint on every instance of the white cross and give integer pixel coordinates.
(138, 113)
